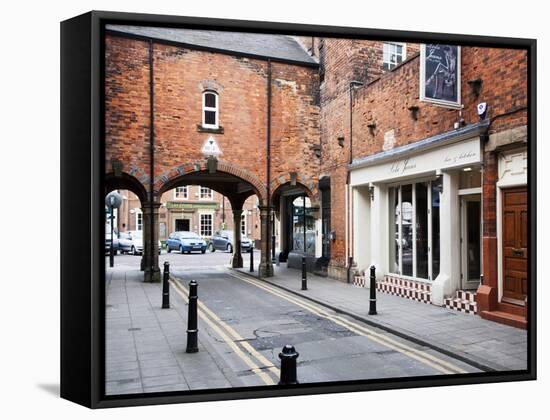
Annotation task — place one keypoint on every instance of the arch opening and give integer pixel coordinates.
(297, 225)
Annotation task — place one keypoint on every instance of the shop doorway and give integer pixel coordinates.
(514, 245)
(470, 239)
(182, 225)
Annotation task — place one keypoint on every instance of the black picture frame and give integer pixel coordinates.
(440, 73)
(82, 169)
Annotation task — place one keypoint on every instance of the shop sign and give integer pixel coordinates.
(190, 206)
(440, 74)
(459, 154)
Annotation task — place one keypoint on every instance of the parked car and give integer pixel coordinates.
(185, 242)
(108, 243)
(223, 241)
(132, 242)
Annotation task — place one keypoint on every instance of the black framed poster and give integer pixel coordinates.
(440, 71)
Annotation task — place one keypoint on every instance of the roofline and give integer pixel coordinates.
(426, 144)
(209, 49)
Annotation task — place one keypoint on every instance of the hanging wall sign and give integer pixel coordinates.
(440, 74)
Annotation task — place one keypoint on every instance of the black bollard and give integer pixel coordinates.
(304, 274)
(252, 259)
(288, 365)
(165, 286)
(192, 329)
(372, 300)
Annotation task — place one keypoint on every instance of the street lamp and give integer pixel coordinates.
(113, 200)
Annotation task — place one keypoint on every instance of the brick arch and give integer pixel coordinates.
(306, 182)
(164, 181)
(125, 181)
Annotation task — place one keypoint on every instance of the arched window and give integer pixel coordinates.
(210, 109)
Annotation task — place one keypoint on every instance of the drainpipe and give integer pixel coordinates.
(268, 183)
(352, 85)
(151, 158)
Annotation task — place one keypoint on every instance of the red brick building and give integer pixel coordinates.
(190, 208)
(431, 194)
(360, 153)
(176, 97)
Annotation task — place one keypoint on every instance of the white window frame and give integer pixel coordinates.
(185, 195)
(391, 65)
(211, 195)
(139, 223)
(215, 109)
(245, 224)
(211, 215)
(430, 278)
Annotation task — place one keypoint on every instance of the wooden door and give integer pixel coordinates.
(514, 243)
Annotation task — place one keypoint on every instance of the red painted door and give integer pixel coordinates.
(514, 243)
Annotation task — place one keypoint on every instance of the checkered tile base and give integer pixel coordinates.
(409, 289)
(463, 301)
(359, 280)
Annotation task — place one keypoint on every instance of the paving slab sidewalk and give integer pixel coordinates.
(487, 345)
(145, 345)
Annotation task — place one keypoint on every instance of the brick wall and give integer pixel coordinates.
(385, 98)
(305, 112)
(343, 61)
(180, 77)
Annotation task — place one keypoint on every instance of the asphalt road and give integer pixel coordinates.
(332, 347)
(249, 322)
(176, 259)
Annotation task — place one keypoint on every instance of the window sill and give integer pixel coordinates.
(202, 129)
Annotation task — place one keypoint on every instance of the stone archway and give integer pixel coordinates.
(149, 259)
(170, 178)
(286, 191)
(124, 181)
(235, 183)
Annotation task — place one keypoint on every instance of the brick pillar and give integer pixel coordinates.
(266, 266)
(150, 245)
(237, 259)
(487, 293)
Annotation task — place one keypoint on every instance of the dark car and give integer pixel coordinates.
(185, 242)
(223, 241)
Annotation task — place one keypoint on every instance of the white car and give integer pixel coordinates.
(132, 242)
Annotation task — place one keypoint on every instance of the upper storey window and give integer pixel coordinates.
(394, 54)
(210, 109)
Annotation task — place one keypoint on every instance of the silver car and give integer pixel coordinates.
(132, 242)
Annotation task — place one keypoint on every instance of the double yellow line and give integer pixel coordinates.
(425, 358)
(257, 363)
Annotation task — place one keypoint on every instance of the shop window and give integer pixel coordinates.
(206, 224)
(470, 178)
(414, 243)
(421, 229)
(303, 226)
(435, 202)
(393, 54)
(210, 109)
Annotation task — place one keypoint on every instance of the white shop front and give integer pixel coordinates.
(416, 212)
